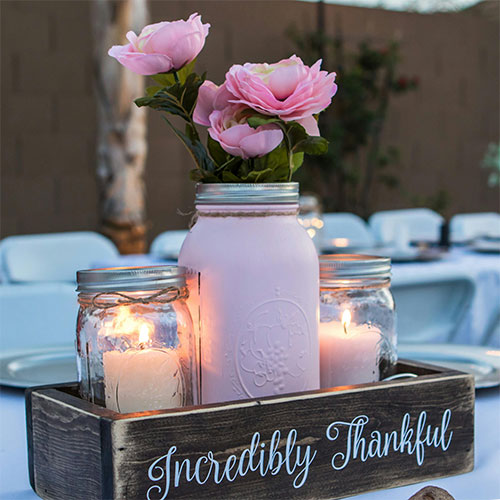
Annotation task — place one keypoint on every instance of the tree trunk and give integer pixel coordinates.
(121, 143)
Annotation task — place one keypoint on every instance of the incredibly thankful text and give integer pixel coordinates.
(295, 457)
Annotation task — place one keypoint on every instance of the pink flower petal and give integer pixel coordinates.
(143, 64)
(311, 125)
(261, 142)
(205, 103)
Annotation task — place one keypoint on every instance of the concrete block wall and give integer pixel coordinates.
(48, 116)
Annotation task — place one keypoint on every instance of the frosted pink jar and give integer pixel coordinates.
(258, 302)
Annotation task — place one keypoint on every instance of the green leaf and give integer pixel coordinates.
(185, 71)
(298, 159)
(164, 79)
(257, 121)
(258, 176)
(295, 132)
(230, 177)
(196, 175)
(177, 99)
(168, 79)
(219, 156)
(274, 159)
(195, 149)
(151, 91)
(312, 146)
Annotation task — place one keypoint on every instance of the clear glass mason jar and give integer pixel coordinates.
(310, 217)
(357, 330)
(134, 340)
(258, 306)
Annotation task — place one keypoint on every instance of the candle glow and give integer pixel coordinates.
(346, 319)
(348, 352)
(141, 377)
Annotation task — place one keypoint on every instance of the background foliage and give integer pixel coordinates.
(356, 161)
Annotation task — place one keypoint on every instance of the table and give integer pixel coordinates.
(481, 484)
(484, 270)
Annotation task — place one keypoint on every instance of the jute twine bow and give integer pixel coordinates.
(163, 296)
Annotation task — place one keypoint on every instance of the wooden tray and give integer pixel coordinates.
(321, 444)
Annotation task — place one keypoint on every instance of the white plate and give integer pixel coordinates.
(410, 254)
(486, 246)
(482, 362)
(43, 366)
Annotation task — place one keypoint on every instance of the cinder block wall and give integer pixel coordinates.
(48, 119)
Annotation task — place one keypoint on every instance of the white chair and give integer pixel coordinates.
(34, 315)
(52, 257)
(431, 306)
(346, 226)
(38, 302)
(168, 244)
(420, 224)
(467, 227)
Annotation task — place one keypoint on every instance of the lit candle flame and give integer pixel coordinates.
(125, 323)
(144, 333)
(346, 319)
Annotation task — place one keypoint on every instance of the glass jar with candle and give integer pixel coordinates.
(357, 331)
(135, 345)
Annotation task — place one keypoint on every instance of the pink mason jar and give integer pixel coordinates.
(258, 307)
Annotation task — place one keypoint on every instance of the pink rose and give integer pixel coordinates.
(229, 128)
(210, 98)
(163, 46)
(288, 89)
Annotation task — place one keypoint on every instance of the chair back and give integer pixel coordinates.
(348, 226)
(420, 224)
(466, 227)
(429, 306)
(168, 244)
(35, 315)
(52, 257)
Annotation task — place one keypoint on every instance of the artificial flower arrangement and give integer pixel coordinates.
(260, 121)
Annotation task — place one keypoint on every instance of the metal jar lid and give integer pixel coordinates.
(350, 266)
(130, 279)
(247, 194)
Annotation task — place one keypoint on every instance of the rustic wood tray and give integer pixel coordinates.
(321, 444)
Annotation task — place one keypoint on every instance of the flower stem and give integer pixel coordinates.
(176, 77)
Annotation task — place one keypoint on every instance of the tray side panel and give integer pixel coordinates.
(65, 449)
(149, 452)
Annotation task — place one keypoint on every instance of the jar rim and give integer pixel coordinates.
(354, 266)
(247, 194)
(130, 278)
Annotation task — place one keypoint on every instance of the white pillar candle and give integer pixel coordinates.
(348, 353)
(141, 377)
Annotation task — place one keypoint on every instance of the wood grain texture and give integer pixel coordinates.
(97, 453)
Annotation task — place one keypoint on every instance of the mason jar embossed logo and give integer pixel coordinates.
(274, 349)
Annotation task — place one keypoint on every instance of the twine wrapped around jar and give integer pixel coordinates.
(163, 296)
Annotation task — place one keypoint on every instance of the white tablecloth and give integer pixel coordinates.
(484, 271)
(481, 484)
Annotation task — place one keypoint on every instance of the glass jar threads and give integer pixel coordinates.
(135, 343)
(357, 331)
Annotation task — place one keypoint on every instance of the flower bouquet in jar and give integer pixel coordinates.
(258, 268)
(261, 120)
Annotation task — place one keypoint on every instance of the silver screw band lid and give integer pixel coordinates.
(350, 266)
(247, 194)
(130, 279)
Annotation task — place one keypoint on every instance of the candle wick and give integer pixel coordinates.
(345, 328)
